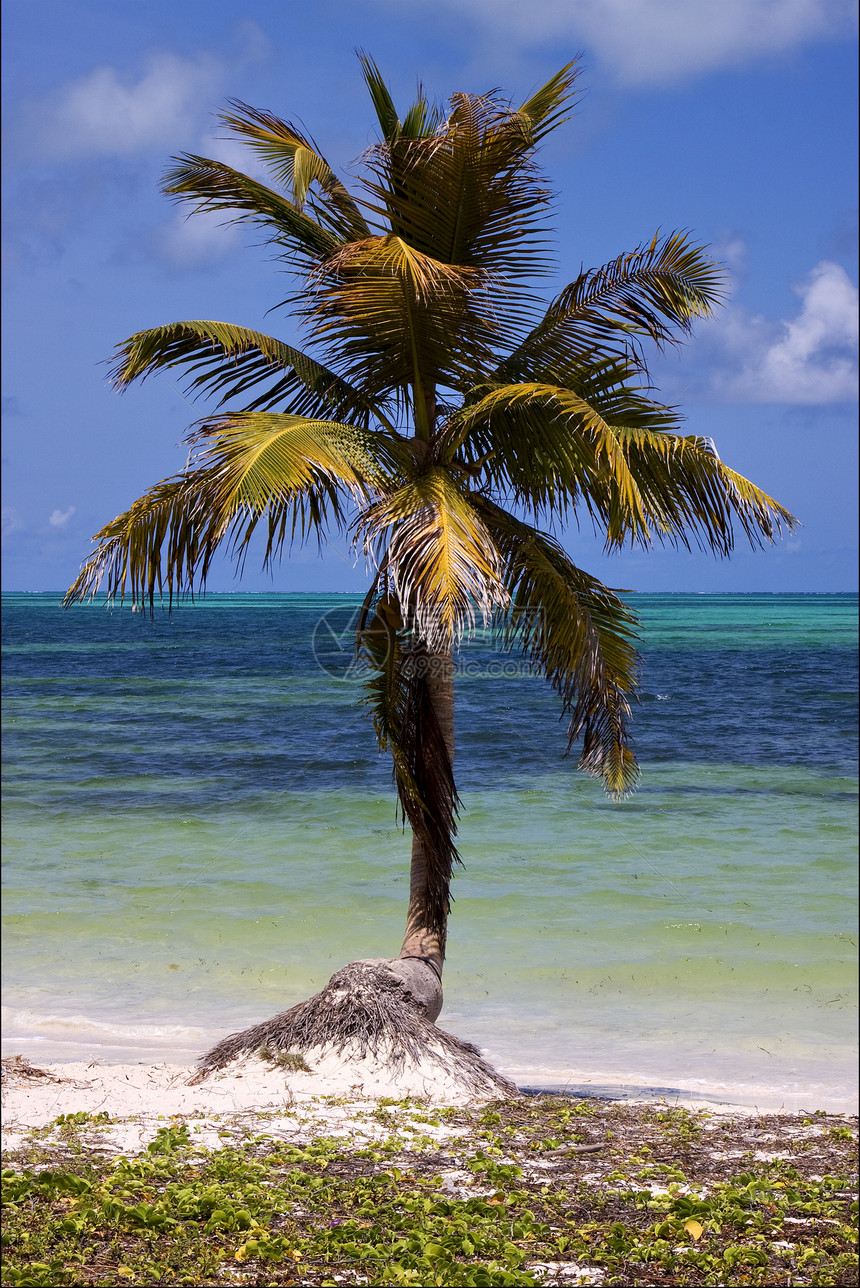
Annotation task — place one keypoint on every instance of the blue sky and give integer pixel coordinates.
(733, 118)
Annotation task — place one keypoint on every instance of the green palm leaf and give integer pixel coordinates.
(296, 164)
(438, 556)
(163, 543)
(422, 120)
(549, 106)
(397, 320)
(654, 292)
(213, 186)
(578, 634)
(297, 474)
(266, 461)
(471, 195)
(574, 452)
(613, 452)
(227, 360)
(688, 496)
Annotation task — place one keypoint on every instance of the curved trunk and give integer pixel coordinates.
(385, 1009)
(425, 925)
(379, 1015)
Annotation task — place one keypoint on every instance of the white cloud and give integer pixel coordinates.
(105, 113)
(233, 152)
(646, 41)
(730, 249)
(11, 521)
(190, 242)
(810, 359)
(655, 41)
(60, 518)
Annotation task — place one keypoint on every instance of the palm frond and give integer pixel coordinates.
(380, 96)
(548, 107)
(393, 257)
(395, 318)
(295, 473)
(213, 186)
(229, 361)
(577, 633)
(438, 556)
(296, 163)
(470, 195)
(422, 120)
(612, 450)
(164, 542)
(654, 292)
(690, 497)
(265, 457)
(573, 448)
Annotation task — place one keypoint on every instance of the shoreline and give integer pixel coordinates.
(35, 1095)
(838, 1096)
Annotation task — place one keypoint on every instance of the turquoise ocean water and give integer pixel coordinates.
(199, 830)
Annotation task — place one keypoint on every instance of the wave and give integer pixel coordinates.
(52, 1036)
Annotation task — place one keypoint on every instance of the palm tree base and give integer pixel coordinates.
(370, 1013)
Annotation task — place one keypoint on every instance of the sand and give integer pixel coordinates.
(248, 1099)
(138, 1099)
(144, 1096)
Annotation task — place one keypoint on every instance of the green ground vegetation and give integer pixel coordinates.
(545, 1190)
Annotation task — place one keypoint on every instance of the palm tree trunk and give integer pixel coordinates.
(425, 927)
(384, 1010)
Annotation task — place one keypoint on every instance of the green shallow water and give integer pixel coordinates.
(193, 843)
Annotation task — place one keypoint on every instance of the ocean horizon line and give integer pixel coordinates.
(248, 594)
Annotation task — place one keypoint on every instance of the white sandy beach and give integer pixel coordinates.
(168, 1090)
(139, 1098)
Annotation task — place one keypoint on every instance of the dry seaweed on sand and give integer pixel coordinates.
(17, 1069)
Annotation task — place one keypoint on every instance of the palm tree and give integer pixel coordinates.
(449, 420)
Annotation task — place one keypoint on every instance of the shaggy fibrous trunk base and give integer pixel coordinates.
(379, 1011)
